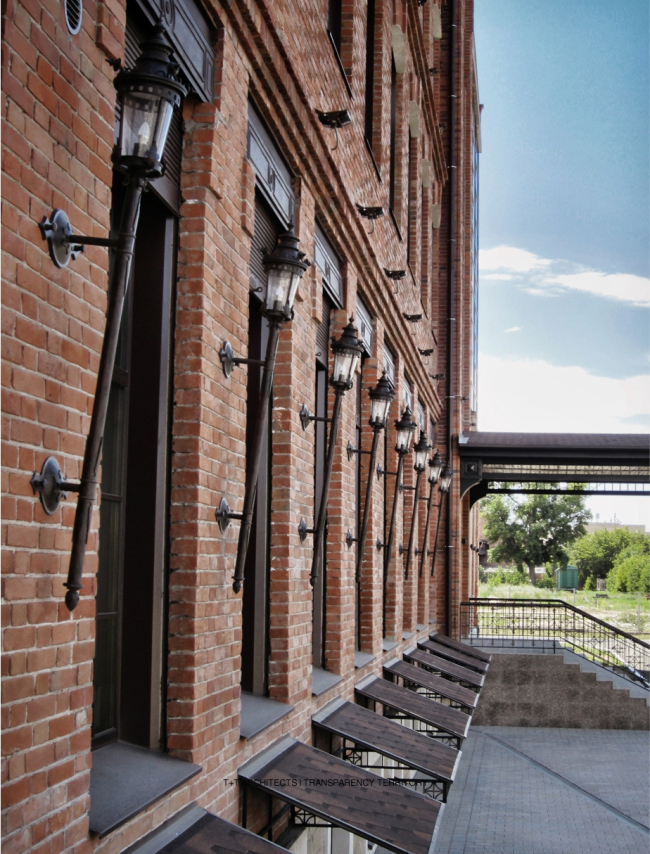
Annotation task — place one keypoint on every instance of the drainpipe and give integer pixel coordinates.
(451, 306)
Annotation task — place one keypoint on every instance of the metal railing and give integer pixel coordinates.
(551, 625)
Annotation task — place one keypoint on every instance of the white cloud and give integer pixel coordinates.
(510, 258)
(544, 277)
(622, 286)
(513, 329)
(526, 395)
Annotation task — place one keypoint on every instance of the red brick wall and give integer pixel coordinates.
(58, 115)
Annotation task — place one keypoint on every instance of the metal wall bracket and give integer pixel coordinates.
(224, 515)
(303, 530)
(349, 539)
(229, 361)
(50, 486)
(306, 418)
(62, 243)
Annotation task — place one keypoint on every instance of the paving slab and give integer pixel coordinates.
(549, 791)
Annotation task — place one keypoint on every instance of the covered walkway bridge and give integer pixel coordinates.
(582, 463)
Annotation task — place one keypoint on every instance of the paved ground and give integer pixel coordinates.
(549, 791)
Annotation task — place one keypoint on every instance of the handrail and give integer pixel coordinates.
(531, 622)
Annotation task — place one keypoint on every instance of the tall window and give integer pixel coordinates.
(132, 575)
(255, 602)
(335, 23)
(393, 137)
(411, 215)
(129, 669)
(370, 71)
(320, 453)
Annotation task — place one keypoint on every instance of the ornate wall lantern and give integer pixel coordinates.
(421, 453)
(404, 429)
(347, 350)
(381, 397)
(148, 94)
(435, 468)
(445, 483)
(285, 267)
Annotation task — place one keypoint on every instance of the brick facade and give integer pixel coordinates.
(57, 138)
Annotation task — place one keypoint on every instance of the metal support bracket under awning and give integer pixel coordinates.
(345, 796)
(364, 732)
(442, 722)
(457, 657)
(448, 669)
(460, 647)
(435, 687)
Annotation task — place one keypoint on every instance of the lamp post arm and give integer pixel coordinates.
(425, 540)
(391, 532)
(435, 542)
(322, 510)
(253, 469)
(92, 453)
(366, 508)
(414, 518)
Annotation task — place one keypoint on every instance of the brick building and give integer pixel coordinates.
(163, 681)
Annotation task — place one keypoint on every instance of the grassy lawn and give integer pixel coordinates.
(619, 609)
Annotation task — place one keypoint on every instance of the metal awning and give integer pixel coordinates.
(457, 657)
(370, 732)
(449, 725)
(448, 669)
(459, 646)
(340, 794)
(435, 686)
(214, 835)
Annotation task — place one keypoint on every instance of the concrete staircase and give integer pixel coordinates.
(528, 688)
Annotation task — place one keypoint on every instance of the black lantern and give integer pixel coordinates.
(421, 452)
(148, 95)
(284, 267)
(347, 350)
(445, 480)
(381, 397)
(405, 428)
(436, 466)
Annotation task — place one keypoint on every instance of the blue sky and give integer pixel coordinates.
(564, 334)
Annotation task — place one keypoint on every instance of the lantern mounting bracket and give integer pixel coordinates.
(349, 539)
(303, 530)
(351, 450)
(224, 514)
(306, 417)
(62, 243)
(229, 361)
(50, 486)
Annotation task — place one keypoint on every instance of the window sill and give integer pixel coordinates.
(126, 779)
(407, 635)
(259, 713)
(322, 680)
(389, 644)
(362, 658)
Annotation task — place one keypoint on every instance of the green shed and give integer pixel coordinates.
(566, 578)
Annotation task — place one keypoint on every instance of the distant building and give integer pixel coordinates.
(592, 527)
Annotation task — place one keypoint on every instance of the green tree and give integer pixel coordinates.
(595, 554)
(534, 530)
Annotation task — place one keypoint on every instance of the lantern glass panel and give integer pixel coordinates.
(146, 118)
(445, 482)
(282, 286)
(404, 438)
(421, 457)
(436, 469)
(345, 363)
(379, 409)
